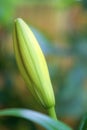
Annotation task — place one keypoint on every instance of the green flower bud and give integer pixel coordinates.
(32, 64)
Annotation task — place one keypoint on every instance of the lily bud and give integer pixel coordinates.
(32, 64)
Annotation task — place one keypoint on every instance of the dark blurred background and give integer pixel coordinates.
(60, 27)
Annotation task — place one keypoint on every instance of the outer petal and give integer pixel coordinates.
(32, 64)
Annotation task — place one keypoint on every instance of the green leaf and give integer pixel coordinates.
(83, 125)
(36, 117)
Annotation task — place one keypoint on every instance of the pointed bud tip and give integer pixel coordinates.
(18, 20)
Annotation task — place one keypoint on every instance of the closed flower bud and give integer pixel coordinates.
(32, 64)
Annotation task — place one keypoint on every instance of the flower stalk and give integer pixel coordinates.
(52, 113)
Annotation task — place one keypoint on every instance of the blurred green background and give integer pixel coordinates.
(60, 27)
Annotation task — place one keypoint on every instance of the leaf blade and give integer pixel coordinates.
(36, 117)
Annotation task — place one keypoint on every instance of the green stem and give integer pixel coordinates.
(52, 113)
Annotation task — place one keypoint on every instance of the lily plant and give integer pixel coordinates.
(33, 68)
